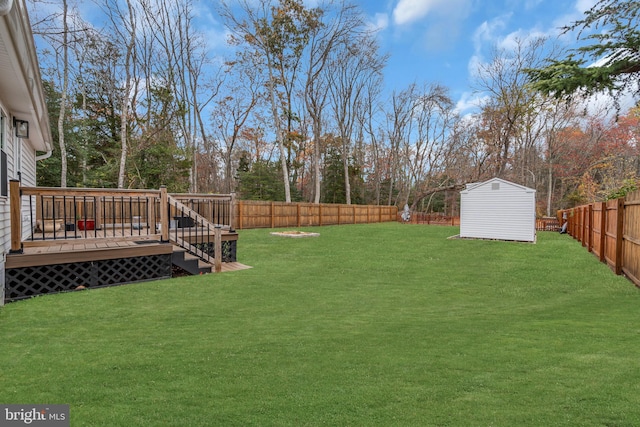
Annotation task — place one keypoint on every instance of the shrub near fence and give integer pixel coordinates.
(611, 231)
(259, 214)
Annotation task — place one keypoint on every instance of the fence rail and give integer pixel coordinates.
(430, 219)
(542, 224)
(611, 231)
(259, 214)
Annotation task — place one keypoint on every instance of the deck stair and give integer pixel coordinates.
(192, 258)
(188, 262)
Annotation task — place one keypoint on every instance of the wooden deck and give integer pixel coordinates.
(87, 250)
(66, 239)
(90, 245)
(62, 252)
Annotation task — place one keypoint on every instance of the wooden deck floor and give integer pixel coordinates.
(92, 246)
(62, 252)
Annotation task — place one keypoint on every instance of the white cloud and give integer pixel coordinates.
(407, 11)
(584, 5)
(512, 40)
(379, 22)
(488, 32)
(470, 103)
(531, 4)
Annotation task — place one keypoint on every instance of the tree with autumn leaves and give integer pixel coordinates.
(296, 112)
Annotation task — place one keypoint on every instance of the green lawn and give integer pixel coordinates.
(388, 324)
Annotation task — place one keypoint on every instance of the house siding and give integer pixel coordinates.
(28, 178)
(5, 222)
(507, 213)
(22, 97)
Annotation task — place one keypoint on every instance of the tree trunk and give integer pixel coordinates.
(347, 181)
(316, 161)
(63, 97)
(429, 192)
(125, 98)
(549, 187)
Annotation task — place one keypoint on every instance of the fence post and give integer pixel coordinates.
(619, 234)
(583, 223)
(603, 230)
(590, 236)
(15, 200)
(273, 222)
(572, 222)
(240, 213)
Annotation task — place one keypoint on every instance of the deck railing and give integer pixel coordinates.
(215, 208)
(54, 214)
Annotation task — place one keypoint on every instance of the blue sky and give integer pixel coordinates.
(439, 41)
(429, 41)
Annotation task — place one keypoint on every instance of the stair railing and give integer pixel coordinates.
(192, 232)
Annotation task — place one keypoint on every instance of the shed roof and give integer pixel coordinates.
(477, 185)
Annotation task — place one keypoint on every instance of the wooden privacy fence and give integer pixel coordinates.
(542, 224)
(611, 231)
(430, 219)
(260, 214)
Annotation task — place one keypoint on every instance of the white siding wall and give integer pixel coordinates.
(506, 213)
(28, 180)
(28, 176)
(5, 230)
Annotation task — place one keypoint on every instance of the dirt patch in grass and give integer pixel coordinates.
(295, 234)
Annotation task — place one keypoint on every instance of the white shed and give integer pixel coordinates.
(498, 209)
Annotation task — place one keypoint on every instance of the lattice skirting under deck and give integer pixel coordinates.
(46, 279)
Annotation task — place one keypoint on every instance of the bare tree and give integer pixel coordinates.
(354, 64)
(337, 27)
(123, 25)
(374, 133)
(277, 32)
(63, 95)
(398, 121)
(510, 100)
(232, 112)
(427, 147)
(63, 41)
(182, 62)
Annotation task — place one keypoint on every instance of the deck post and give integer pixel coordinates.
(15, 200)
(164, 214)
(98, 203)
(232, 211)
(217, 250)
